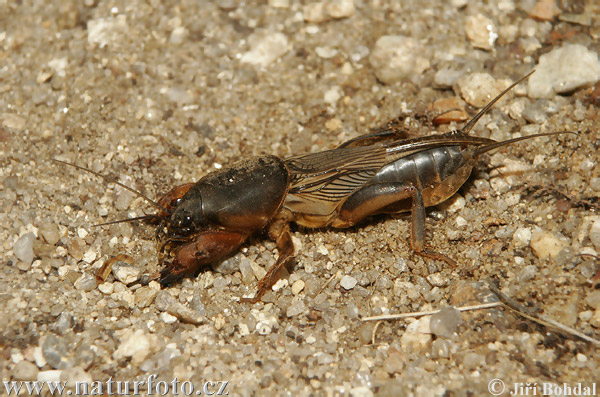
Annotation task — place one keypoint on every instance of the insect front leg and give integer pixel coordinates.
(279, 231)
(390, 197)
(207, 247)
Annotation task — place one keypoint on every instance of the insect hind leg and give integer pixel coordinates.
(388, 198)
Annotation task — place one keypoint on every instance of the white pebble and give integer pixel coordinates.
(479, 88)
(125, 273)
(481, 32)
(297, 287)
(107, 31)
(265, 50)
(564, 69)
(398, 57)
(348, 282)
(23, 248)
(522, 237)
(595, 234)
(167, 318)
(460, 221)
(545, 244)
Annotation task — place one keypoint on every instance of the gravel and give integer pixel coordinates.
(162, 93)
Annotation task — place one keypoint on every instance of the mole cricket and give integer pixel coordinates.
(381, 172)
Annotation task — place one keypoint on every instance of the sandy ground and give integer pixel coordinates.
(162, 93)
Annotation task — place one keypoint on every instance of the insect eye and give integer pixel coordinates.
(186, 222)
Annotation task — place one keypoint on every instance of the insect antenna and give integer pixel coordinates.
(137, 218)
(495, 145)
(110, 179)
(469, 126)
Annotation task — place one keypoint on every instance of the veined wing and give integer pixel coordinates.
(319, 181)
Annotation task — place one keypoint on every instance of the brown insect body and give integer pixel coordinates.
(376, 173)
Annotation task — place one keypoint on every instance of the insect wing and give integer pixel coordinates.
(319, 181)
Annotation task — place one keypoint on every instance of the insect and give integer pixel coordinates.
(204, 222)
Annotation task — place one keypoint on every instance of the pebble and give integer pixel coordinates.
(126, 273)
(23, 249)
(24, 370)
(166, 302)
(395, 58)
(593, 299)
(322, 11)
(63, 323)
(74, 375)
(545, 244)
(480, 31)
(417, 334)
(13, 121)
(266, 49)
(527, 274)
(472, 360)
(87, 282)
(446, 78)
(595, 234)
(297, 287)
(348, 282)
(106, 288)
(49, 376)
(564, 312)
(135, 344)
(296, 308)
(440, 348)
(544, 10)
(50, 232)
(557, 73)
(479, 88)
(107, 31)
(54, 350)
(144, 296)
(445, 323)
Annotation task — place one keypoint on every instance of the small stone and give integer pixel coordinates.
(178, 35)
(126, 273)
(50, 232)
(297, 287)
(106, 288)
(472, 361)
(522, 237)
(565, 313)
(544, 10)
(527, 274)
(86, 282)
(595, 234)
(417, 335)
(445, 323)
(49, 376)
(545, 244)
(481, 31)
(440, 348)
(144, 296)
(107, 31)
(296, 308)
(167, 318)
(395, 58)
(558, 73)
(331, 97)
(124, 199)
(446, 78)
(395, 362)
(593, 299)
(338, 9)
(24, 371)
(13, 121)
(266, 49)
(23, 249)
(63, 323)
(54, 350)
(479, 88)
(74, 375)
(595, 320)
(348, 282)
(135, 344)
